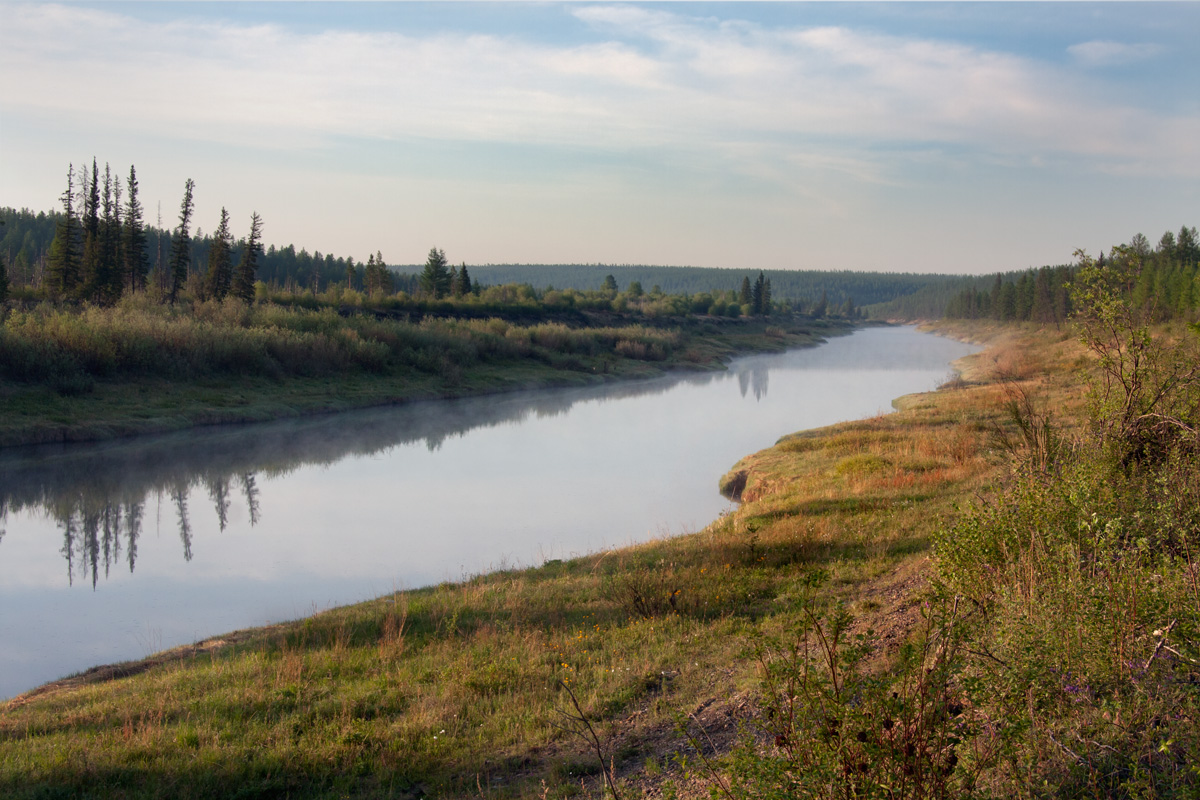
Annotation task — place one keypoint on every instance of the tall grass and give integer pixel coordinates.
(134, 339)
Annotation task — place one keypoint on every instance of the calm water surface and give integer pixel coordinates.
(111, 552)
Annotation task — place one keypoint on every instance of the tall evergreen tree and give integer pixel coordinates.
(90, 267)
(756, 295)
(136, 260)
(247, 269)
(1187, 245)
(464, 281)
(387, 284)
(219, 278)
(3, 280)
(822, 305)
(744, 295)
(107, 276)
(181, 247)
(435, 278)
(64, 256)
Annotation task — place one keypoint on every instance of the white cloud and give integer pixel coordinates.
(658, 79)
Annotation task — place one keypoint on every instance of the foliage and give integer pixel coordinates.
(1162, 284)
(837, 729)
(435, 280)
(181, 243)
(1083, 573)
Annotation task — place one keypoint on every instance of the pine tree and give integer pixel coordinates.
(464, 281)
(247, 269)
(435, 278)
(756, 295)
(90, 265)
(107, 277)
(370, 276)
(1187, 245)
(744, 296)
(64, 263)
(766, 297)
(181, 247)
(219, 278)
(822, 305)
(136, 261)
(386, 284)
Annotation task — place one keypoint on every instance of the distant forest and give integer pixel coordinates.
(98, 246)
(1163, 279)
(94, 229)
(26, 237)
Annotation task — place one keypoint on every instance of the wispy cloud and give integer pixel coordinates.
(656, 78)
(1112, 54)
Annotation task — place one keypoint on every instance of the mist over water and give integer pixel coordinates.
(113, 551)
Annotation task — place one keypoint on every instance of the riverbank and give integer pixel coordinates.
(102, 374)
(461, 688)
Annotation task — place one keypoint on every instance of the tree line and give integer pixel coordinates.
(1163, 279)
(99, 247)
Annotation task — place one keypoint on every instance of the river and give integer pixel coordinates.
(113, 551)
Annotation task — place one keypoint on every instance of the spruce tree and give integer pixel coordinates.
(136, 260)
(63, 258)
(107, 277)
(386, 284)
(90, 267)
(744, 295)
(435, 278)
(370, 276)
(247, 269)
(822, 305)
(756, 295)
(219, 278)
(181, 247)
(464, 281)
(3, 280)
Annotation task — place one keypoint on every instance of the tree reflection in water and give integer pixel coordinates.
(98, 493)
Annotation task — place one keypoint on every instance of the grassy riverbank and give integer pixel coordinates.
(140, 367)
(973, 652)
(460, 689)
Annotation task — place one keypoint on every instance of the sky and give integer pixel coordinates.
(907, 137)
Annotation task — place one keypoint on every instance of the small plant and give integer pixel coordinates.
(835, 725)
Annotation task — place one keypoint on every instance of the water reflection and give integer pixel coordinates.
(97, 494)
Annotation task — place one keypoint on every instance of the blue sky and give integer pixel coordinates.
(898, 136)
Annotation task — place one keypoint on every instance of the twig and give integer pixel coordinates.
(1161, 643)
(708, 765)
(1078, 759)
(586, 731)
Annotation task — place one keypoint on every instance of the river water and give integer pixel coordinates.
(114, 551)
